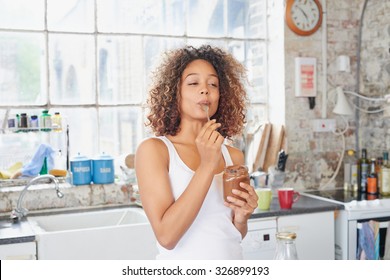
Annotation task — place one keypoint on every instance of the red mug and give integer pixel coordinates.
(287, 196)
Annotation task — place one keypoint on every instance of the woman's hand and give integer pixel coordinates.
(209, 142)
(242, 208)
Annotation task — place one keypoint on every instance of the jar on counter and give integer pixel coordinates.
(285, 248)
(103, 169)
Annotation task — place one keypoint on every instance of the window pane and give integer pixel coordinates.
(144, 17)
(72, 69)
(206, 18)
(154, 47)
(120, 130)
(22, 14)
(213, 42)
(121, 75)
(22, 69)
(83, 130)
(70, 15)
(246, 19)
(256, 59)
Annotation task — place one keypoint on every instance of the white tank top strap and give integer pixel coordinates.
(226, 155)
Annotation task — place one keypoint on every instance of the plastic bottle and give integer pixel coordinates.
(286, 248)
(57, 122)
(45, 121)
(34, 122)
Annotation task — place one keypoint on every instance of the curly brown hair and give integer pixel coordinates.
(164, 114)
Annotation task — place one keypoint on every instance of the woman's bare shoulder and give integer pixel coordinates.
(236, 154)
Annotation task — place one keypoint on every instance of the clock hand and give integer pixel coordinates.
(303, 12)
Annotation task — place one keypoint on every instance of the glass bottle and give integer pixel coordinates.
(363, 167)
(350, 170)
(286, 248)
(378, 167)
(385, 175)
(57, 122)
(372, 178)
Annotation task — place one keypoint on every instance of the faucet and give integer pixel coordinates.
(20, 212)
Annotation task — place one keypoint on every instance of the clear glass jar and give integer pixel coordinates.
(286, 249)
(232, 177)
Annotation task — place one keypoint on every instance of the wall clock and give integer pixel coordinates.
(303, 17)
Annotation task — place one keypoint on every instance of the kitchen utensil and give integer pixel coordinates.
(206, 109)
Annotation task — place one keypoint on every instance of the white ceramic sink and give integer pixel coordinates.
(86, 220)
(115, 234)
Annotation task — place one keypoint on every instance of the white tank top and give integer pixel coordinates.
(212, 235)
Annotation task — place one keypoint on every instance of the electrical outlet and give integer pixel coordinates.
(324, 125)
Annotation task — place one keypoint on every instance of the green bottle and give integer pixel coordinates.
(363, 167)
(45, 121)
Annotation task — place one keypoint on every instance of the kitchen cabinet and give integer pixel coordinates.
(315, 234)
(18, 251)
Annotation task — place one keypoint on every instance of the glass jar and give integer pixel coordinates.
(233, 175)
(286, 249)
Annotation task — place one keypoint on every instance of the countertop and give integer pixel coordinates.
(304, 205)
(23, 232)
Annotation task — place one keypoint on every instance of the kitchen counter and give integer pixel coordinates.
(304, 205)
(23, 232)
(20, 232)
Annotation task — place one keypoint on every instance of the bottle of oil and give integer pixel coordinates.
(363, 167)
(385, 176)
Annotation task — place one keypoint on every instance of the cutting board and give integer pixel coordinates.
(263, 144)
(275, 144)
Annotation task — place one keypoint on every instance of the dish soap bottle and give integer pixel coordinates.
(285, 248)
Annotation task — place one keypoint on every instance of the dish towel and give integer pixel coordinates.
(387, 244)
(34, 166)
(368, 243)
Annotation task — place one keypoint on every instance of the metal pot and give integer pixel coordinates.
(81, 170)
(103, 169)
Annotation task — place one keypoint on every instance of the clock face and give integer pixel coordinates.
(304, 16)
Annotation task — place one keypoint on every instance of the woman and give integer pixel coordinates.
(179, 172)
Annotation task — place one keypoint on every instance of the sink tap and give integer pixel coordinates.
(20, 212)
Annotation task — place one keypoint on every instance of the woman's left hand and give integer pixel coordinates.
(242, 208)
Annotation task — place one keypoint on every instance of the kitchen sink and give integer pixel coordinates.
(86, 220)
(113, 234)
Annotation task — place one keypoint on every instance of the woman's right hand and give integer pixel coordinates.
(209, 142)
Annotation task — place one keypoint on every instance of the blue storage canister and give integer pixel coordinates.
(81, 170)
(103, 169)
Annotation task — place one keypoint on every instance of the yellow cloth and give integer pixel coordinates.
(7, 174)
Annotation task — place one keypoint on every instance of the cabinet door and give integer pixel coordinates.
(315, 234)
(18, 251)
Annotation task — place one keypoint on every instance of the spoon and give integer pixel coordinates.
(206, 109)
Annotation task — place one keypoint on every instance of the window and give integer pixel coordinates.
(91, 63)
